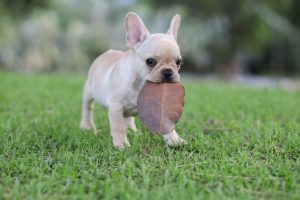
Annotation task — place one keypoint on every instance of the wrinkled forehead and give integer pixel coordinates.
(159, 45)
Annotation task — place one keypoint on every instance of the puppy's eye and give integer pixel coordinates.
(151, 62)
(178, 62)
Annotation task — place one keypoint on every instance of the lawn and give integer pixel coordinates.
(243, 143)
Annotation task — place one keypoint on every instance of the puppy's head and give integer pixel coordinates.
(157, 56)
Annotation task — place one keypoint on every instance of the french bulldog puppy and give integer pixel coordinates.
(116, 77)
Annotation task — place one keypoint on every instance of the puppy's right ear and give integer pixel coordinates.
(136, 31)
(174, 26)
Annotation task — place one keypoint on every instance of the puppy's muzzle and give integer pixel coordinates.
(167, 75)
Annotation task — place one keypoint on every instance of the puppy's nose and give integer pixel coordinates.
(167, 73)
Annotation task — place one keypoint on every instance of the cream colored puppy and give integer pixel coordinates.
(116, 77)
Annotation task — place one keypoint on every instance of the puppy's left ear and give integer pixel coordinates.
(174, 26)
(136, 31)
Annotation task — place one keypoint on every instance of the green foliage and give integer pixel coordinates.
(242, 144)
(21, 8)
(61, 38)
(247, 30)
(215, 36)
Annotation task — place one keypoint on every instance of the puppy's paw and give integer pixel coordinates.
(172, 139)
(87, 126)
(121, 143)
(175, 142)
(134, 130)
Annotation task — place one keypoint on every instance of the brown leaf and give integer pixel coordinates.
(160, 106)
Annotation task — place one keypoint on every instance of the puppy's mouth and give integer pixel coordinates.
(163, 80)
(168, 80)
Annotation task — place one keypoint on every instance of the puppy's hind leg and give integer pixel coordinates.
(87, 121)
(130, 124)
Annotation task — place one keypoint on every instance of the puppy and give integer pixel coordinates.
(116, 77)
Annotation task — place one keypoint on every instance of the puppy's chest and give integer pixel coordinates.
(130, 104)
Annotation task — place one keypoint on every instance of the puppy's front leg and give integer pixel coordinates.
(118, 125)
(173, 139)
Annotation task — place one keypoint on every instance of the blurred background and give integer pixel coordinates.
(228, 38)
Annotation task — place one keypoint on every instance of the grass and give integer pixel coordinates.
(243, 143)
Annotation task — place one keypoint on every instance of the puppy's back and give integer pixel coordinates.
(105, 61)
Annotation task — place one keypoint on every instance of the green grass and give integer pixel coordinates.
(243, 143)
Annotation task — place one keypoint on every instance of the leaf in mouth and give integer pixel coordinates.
(160, 106)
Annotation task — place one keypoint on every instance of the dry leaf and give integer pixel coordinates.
(160, 106)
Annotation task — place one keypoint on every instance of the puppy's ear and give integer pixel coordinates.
(174, 26)
(136, 31)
